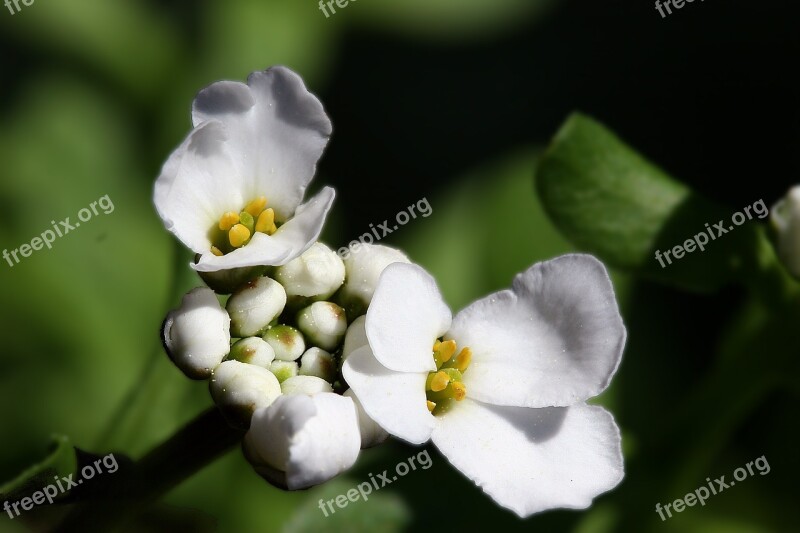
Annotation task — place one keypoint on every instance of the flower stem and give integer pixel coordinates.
(132, 490)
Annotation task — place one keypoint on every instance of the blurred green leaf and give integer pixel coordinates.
(613, 203)
(381, 513)
(61, 461)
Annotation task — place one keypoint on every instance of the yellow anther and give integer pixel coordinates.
(256, 206)
(216, 251)
(266, 222)
(439, 381)
(228, 220)
(444, 352)
(238, 236)
(459, 391)
(436, 345)
(462, 360)
(431, 406)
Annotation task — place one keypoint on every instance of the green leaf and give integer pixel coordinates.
(612, 202)
(61, 461)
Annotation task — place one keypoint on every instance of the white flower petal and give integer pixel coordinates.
(278, 131)
(406, 316)
(530, 460)
(197, 185)
(356, 337)
(395, 400)
(290, 241)
(310, 439)
(371, 433)
(555, 339)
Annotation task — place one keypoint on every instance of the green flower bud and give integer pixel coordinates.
(284, 370)
(324, 324)
(253, 306)
(287, 342)
(254, 351)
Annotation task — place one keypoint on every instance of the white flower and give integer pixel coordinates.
(508, 410)
(363, 266)
(232, 191)
(785, 217)
(318, 273)
(301, 440)
(197, 334)
(371, 433)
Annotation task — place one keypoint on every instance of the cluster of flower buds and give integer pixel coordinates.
(273, 355)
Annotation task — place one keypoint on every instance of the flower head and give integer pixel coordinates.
(500, 388)
(232, 191)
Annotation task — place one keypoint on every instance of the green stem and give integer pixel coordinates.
(130, 491)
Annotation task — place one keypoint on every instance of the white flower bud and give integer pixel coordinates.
(356, 337)
(301, 441)
(239, 389)
(324, 323)
(310, 385)
(363, 267)
(227, 281)
(287, 342)
(318, 273)
(317, 362)
(284, 370)
(253, 306)
(254, 351)
(785, 217)
(197, 334)
(371, 433)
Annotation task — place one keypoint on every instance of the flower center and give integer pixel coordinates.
(445, 385)
(235, 229)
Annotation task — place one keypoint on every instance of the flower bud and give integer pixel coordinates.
(254, 351)
(323, 323)
(287, 342)
(301, 441)
(363, 267)
(310, 385)
(317, 274)
(785, 218)
(284, 370)
(371, 433)
(239, 389)
(356, 337)
(253, 306)
(227, 281)
(317, 362)
(197, 336)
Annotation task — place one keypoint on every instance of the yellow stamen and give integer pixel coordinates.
(462, 360)
(238, 236)
(444, 353)
(228, 220)
(266, 222)
(256, 206)
(439, 381)
(431, 406)
(459, 390)
(436, 345)
(216, 251)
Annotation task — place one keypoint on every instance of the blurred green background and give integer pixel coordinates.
(450, 100)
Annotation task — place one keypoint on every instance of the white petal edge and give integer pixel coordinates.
(394, 400)
(278, 132)
(554, 339)
(531, 460)
(406, 316)
(290, 241)
(312, 439)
